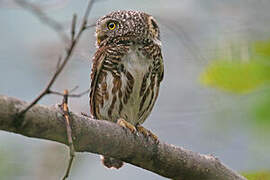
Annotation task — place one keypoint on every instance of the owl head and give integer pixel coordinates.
(122, 26)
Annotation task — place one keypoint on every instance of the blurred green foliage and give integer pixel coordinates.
(243, 73)
(261, 113)
(257, 176)
(262, 48)
(240, 72)
(235, 76)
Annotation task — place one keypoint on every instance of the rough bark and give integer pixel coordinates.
(103, 137)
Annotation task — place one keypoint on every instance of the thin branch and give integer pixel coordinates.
(90, 26)
(58, 62)
(69, 53)
(73, 26)
(73, 89)
(109, 139)
(71, 95)
(86, 14)
(69, 132)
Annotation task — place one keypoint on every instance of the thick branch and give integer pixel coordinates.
(103, 137)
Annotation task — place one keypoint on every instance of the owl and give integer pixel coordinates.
(126, 72)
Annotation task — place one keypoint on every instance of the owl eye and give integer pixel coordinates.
(111, 25)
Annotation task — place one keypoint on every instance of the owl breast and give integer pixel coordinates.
(127, 88)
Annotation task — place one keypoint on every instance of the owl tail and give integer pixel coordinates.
(111, 162)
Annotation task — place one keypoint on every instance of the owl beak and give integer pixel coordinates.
(100, 36)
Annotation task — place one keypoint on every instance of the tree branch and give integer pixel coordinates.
(103, 137)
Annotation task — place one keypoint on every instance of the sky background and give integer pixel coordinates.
(186, 114)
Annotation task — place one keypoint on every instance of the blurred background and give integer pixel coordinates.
(215, 97)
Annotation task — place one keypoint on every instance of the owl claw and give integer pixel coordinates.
(147, 133)
(125, 124)
(86, 115)
(138, 129)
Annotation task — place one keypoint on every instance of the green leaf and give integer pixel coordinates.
(262, 48)
(260, 112)
(257, 176)
(235, 76)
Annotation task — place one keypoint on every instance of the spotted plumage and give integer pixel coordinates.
(127, 69)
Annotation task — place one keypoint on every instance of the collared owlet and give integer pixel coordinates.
(126, 72)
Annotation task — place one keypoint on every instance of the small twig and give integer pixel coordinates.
(58, 62)
(73, 26)
(74, 89)
(37, 11)
(69, 52)
(86, 14)
(69, 132)
(71, 95)
(90, 26)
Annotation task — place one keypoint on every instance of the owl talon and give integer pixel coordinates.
(125, 124)
(147, 133)
(86, 115)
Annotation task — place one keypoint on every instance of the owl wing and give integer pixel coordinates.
(98, 59)
(160, 69)
(103, 54)
(151, 89)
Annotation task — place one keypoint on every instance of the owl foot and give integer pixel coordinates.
(125, 124)
(147, 133)
(86, 115)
